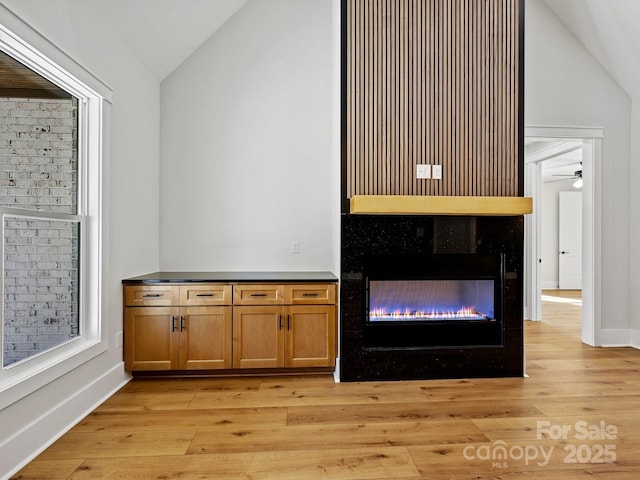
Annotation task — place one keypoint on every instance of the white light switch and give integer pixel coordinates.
(436, 172)
(295, 246)
(423, 171)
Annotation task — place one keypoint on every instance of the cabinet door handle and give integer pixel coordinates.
(288, 322)
(173, 323)
(181, 323)
(258, 294)
(309, 294)
(204, 295)
(279, 322)
(151, 295)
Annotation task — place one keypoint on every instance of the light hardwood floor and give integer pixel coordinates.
(312, 428)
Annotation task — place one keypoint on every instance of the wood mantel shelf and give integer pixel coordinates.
(440, 205)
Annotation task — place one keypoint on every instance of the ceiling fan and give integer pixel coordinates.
(577, 175)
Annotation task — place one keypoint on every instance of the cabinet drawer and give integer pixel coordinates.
(151, 295)
(310, 294)
(214, 294)
(265, 294)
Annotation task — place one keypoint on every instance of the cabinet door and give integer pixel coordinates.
(205, 338)
(151, 338)
(258, 337)
(310, 336)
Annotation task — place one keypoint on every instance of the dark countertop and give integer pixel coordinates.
(184, 277)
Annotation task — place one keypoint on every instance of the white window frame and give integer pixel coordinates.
(94, 98)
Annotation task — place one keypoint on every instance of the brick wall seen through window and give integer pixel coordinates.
(39, 172)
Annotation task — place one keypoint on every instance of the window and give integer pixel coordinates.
(38, 179)
(51, 133)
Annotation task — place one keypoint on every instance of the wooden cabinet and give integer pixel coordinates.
(207, 326)
(310, 336)
(204, 338)
(150, 338)
(258, 340)
(300, 332)
(193, 334)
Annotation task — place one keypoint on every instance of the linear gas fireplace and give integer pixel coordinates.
(433, 301)
(431, 297)
(415, 301)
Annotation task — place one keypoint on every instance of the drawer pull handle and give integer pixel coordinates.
(204, 295)
(258, 294)
(309, 294)
(152, 295)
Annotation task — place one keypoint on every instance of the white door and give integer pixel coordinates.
(570, 241)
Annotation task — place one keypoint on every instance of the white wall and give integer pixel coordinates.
(550, 222)
(131, 211)
(248, 160)
(634, 224)
(565, 86)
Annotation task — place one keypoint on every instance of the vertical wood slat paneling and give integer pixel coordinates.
(434, 82)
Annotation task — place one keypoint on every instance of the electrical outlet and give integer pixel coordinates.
(423, 171)
(436, 172)
(295, 246)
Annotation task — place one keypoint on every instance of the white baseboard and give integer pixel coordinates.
(614, 337)
(49, 426)
(549, 285)
(635, 339)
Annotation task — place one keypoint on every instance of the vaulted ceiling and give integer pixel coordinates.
(609, 30)
(164, 33)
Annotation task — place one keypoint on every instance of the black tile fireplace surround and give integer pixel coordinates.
(492, 247)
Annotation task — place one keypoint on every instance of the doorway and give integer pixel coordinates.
(544, 144)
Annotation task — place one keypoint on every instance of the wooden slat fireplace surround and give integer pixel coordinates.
(432, 82)
(435, 82)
